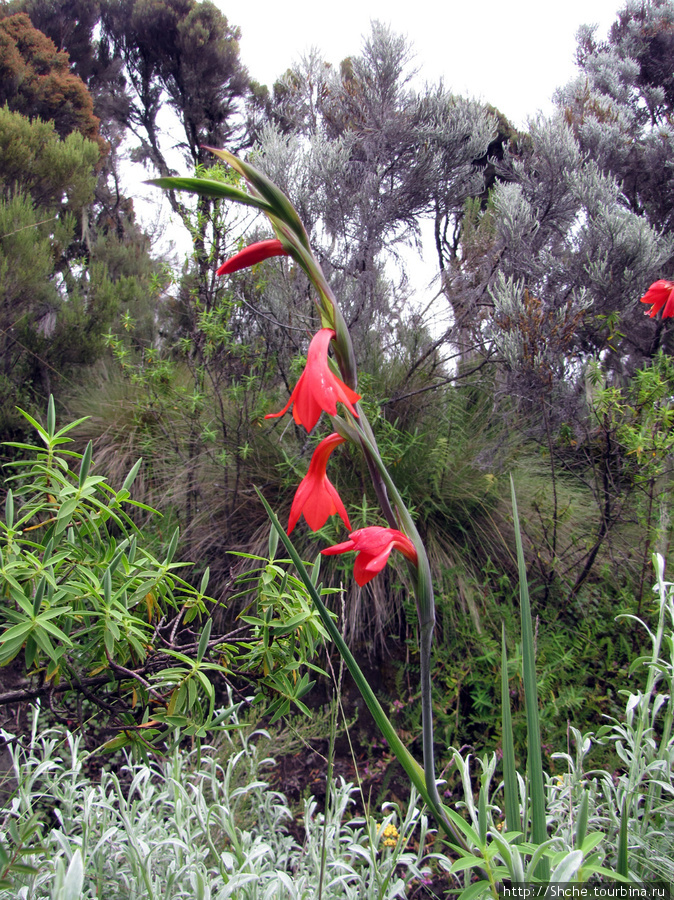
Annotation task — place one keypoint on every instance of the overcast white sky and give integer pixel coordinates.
(510, 53)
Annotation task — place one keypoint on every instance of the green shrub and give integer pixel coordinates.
(93, 612)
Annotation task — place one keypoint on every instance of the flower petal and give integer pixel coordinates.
(668, 311)
(374, 545)
(376, 563)
(308, 408)
(344, 547)
(299, 500)
(660, 294)
(318, 388)
(338, 505)
(360, 570)
(316, 497)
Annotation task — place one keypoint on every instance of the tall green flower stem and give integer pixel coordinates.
(445, 817)
(267, 198)
(425, 601)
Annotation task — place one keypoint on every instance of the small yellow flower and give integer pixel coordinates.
(390, 835)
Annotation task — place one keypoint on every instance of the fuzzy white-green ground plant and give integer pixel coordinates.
(200, 824)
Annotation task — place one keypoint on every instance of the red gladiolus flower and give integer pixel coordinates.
(660, 293)
(374, 545)
(316, 497)
(250, 255)
(318, 389)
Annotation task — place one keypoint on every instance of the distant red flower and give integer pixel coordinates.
(252, 254)
(374, 545)
(316, 497)
(318, 389)
(660, 293)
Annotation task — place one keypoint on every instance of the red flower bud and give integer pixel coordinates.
(252, 254)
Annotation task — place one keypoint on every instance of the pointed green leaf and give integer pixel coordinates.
(204, 639)
(173, 545)
(216, 190)
(581, 822)
(39, 594)
(48, 550)
(568, 867)
(74, 880)
(475, 890)
(9, 509)
(30, 652)
(510, 786)
(534, 756)
(43, 642)
(316, 570)
(204, 580)
(623, 866)
(276, 200)
(131, 477)
(590, 842)
(64, 515)
(273, 543)
(107, 586)
(56, 632)
(85, 465)
(21, 630)
(51, 417)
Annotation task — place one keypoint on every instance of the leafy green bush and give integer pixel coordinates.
(92, 612)
(203, 823)
(86, 603)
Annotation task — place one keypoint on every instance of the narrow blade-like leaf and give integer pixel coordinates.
(622, 867)
(534, 758)
(216, 190)
(510, 786)
(275, 199)
(85, 465)
(204, 639)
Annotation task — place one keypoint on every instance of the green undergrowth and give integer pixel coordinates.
(583, 654)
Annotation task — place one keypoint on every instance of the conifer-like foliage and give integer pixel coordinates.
(45, 185)
(36, 80)
(181, 53)
(71, 256)
(365, 158)
(621, 104)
